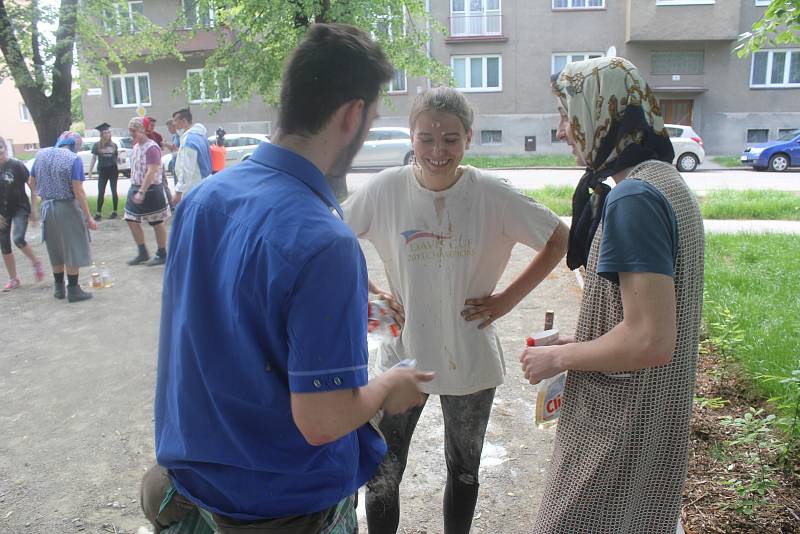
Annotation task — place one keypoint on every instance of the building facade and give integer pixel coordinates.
(17, 126)
(502, 54)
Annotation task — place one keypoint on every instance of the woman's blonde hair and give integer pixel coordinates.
(444, 99)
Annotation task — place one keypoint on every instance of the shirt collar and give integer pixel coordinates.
(289, 162)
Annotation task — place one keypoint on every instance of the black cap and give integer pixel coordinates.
(102, 127)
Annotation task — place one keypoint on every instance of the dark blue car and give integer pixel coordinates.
(776, 155)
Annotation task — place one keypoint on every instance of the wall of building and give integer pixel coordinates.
(724, 104)
(20, 133)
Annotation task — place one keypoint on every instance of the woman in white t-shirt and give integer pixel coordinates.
(444, 233)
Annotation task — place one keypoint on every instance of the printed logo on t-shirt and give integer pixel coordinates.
(412, 235)
(422, 246)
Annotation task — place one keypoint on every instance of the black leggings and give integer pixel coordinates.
(107, 175)
(465, 420)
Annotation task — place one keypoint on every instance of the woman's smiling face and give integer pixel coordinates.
(439, 142)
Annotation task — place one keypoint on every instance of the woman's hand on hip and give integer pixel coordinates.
(488, 309)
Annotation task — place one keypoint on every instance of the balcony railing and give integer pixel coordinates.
(476, 25)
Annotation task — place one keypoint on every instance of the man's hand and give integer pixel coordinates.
(138, 197)
(405, 391)
(91, 224)
(176, 198)
(539, 363)
(488, 309)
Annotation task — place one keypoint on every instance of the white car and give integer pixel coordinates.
(385, 146)
(238, 147)
(124, 151)
(688, 146)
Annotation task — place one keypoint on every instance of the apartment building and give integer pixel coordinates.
(17, 126)
(502, 54)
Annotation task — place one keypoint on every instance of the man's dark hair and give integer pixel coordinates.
(333, 65)
(184, 114)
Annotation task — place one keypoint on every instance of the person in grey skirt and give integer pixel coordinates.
(57, 177)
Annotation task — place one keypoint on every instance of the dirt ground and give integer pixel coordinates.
(76, 387)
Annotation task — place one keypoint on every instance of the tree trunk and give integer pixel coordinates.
(51, 117)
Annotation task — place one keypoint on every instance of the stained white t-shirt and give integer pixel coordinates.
(440, 249)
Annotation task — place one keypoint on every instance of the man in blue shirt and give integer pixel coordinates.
(263, 402)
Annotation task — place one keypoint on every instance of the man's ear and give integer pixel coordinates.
(352, 114)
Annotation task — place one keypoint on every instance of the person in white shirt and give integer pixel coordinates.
(444, 233)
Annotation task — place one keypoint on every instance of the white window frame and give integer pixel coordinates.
(203, 97)
(572, 7)
(763, 2)
(121, 78)
(24, 113)
(786, 69)
(212, 19)
(29, 147)
(570, 54)
(131, 23)
(684, 2)
(484, 63)
(485, 13)
(390, 88)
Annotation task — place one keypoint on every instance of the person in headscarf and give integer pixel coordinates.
(147, 198)
(620, 456)
(57, 177)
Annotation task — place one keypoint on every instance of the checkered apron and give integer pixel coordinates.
(620, 455)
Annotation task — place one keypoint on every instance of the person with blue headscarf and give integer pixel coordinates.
(57, 177)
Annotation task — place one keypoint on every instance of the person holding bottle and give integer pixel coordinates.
(444, 232)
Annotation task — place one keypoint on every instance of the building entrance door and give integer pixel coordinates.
(677, 111)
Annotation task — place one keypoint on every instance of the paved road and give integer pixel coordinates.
(701, 181)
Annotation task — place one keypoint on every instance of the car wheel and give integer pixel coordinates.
(779, 162)
(126, 174)
(409, 159)
(687, 162)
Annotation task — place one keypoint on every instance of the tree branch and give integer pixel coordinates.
(38, 63)
(13, 55)
(64, 48)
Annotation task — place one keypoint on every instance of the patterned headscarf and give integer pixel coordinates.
(137, 123)
(616, 122)
(70, 139)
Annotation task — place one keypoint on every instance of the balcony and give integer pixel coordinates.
(476, 27)
(652, 21)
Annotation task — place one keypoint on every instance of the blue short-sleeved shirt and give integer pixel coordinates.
(54, 170)
(640, 232)
(265, 294)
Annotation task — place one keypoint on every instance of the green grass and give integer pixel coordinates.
(92, 201)
(557, 198)
(503, 162)
(751, 204)
(757, 277)
(724, 204)
(727, 161)
(25, 156)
